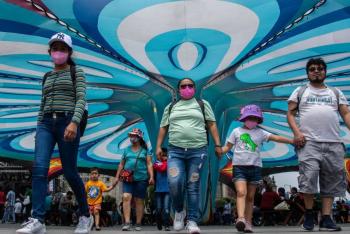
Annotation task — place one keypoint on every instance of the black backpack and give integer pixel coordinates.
(201, 105)
(84, 118)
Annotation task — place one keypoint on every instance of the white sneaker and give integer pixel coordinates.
(85, 224)
(179, 220)
(192, 228)
(33, 226)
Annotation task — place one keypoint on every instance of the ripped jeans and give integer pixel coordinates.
(184, 167)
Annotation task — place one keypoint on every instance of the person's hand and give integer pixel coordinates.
(159, 153)
(71, 132)
(151, 181)
(116, 181)
(299, 140)
(218, 152)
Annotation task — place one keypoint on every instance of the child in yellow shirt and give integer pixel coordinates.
(94, 189)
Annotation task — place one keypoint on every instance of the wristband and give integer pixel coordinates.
(217, 145)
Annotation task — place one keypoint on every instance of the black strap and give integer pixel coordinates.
(201, 105)
(302, 89)
(73, 75)
(137, 158)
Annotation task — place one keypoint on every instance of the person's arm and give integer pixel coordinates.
(161, 135)
(215, 134)
(280, 139)
(109, 188)
(345, 114)
(120, 167)
(299, 138)
(227, 147)
(150, 170)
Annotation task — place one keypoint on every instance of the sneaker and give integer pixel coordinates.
(167, 228)
(138, 227)
(327, 224)
(240, 224)
(85, 224)
(192, 228)
(179, 220)
(248, 227)
(308, 224)
(159, 222)
(32, 226)
(126, 227)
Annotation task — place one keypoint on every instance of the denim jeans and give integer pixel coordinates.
(49, 132)
(163, 207)
(9, 212)
(184, 167)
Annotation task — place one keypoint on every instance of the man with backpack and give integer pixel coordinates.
(320, 149)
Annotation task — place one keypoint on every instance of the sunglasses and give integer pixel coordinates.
(183, 86)
(313, 69)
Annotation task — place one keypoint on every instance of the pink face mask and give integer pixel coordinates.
(187, 93)
(59, 57)
(250, 124)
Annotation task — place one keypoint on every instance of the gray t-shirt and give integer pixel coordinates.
(186, 123)
(318, 113)
(247, 144)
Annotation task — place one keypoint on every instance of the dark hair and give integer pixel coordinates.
(165, 150)
(143, 143)
(316, 61)
(178, 84)
(94, 169)
(70, 60)
(294, 189)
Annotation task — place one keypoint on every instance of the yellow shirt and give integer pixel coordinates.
(94, 190)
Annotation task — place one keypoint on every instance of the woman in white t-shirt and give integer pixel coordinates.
(247, 141)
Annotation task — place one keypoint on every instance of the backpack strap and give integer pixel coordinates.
(301, 91)
(336, 92)
(304, 87)
(201, 105)
(73, 74)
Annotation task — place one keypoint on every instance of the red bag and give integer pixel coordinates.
(126, 175)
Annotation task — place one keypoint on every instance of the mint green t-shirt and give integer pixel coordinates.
(140, 173)
(186, 123)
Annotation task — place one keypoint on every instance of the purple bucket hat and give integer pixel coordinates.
(251, 110)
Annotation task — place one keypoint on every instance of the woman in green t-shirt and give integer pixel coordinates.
(187, 121)
(136, 159)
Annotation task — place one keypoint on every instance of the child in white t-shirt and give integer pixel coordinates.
(247, 141)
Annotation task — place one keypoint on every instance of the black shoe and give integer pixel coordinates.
(308, 224)
(159, 221)
(167, 228)
(327, 224)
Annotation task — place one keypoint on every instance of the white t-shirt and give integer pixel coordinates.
(18, 207)
(247, 144)
(318, 113)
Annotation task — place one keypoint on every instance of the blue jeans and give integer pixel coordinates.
(49, 132)
(163, 207)
(9, 211)
(184, 167)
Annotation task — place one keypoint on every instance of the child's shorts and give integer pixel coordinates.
(93, 208)
(136, 188)
(251, 174)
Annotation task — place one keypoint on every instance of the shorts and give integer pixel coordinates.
(251, 174)
(93, 208)
(323, 161)
(137, 188)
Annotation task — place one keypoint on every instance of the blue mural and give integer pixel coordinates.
(134, 52)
